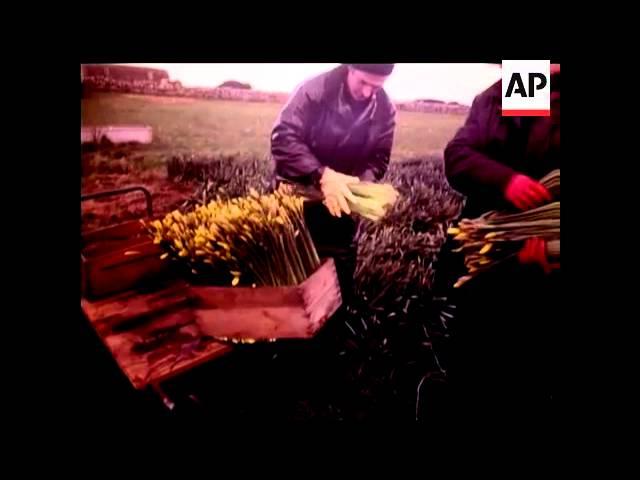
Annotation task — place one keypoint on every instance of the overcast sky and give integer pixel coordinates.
(459, 82)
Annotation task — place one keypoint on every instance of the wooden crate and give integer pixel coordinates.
(118, 258)
(152, 336)
(268, 313)
(157, 334)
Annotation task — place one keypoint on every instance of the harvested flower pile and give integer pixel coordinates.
(257, 240)
(495, 236)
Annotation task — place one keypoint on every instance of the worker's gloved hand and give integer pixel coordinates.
(525, 193)
(534, 251)
(334, 188)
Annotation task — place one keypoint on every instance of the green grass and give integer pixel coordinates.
(206, 127)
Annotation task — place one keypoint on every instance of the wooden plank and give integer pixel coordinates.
(161, 373)
(116, 312)
(257, 323)
(269, 313)
(114, 272)
(321, 295)
(231, 297)
(116, 258)
(181, 350)
(124, 231)
(156, 335)
(152, 336)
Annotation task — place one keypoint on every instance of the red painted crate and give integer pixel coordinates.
(120, 257)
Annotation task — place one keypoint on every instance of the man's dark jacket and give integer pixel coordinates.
(489, 149)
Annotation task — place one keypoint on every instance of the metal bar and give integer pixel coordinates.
(121, 191)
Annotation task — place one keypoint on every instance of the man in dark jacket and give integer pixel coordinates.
(495, 160)
(501, 357)
(337, 128)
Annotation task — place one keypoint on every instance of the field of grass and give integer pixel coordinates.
(204, 127)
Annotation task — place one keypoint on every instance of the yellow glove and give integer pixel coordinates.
(336, 192)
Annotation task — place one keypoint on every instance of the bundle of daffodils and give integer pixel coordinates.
(495, 237)
(372, 200)
(254, 240)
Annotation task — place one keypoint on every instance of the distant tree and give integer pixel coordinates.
(235, 84)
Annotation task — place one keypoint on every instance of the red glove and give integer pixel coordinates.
(535, 252)
(526, 193)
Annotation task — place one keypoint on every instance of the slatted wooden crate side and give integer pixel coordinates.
(156, 335)
(115, 259)
(115, 272)
(184, 349)
(121, 232)
(267, 313)
(152, 336)
(118, 312)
